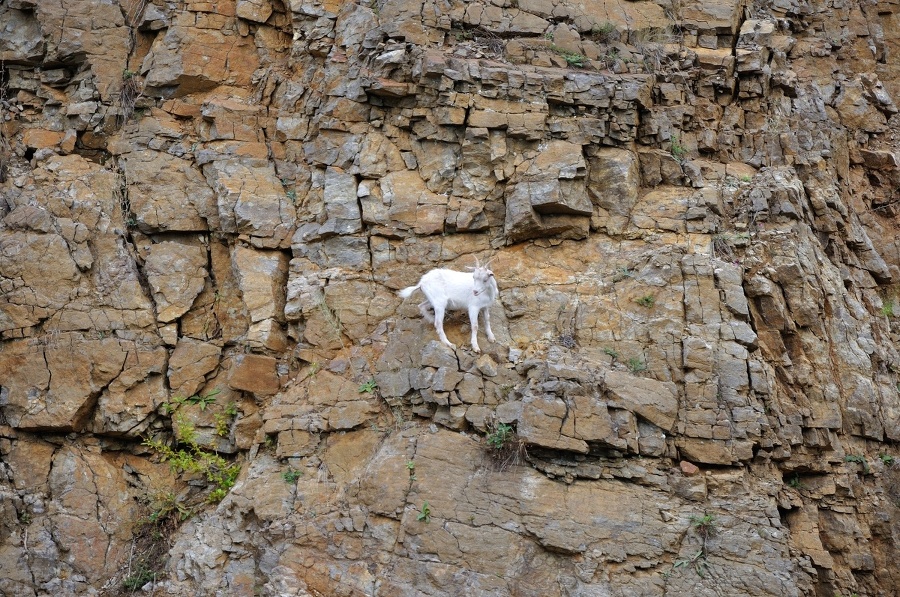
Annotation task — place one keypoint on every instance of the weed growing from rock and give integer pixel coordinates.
(705, 527)
(861, 460)
(636, 365)
(425, 513)
(368, 387)
(290, 476)
(188, 457)
(504, 445)
(678, 151)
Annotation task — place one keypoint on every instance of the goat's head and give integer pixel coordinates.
(482, 278)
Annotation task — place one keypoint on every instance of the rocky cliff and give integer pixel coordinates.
(209, 386)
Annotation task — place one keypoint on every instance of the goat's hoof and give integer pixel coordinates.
(476, 350)
(491, 338)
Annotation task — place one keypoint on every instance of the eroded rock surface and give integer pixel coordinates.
(206, 210)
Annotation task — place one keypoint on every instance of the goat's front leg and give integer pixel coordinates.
(487, 324)
(473, 321)
(439, 326)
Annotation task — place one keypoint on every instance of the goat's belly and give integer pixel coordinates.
(457, 306)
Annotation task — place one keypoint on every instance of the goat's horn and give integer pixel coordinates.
(477, 263)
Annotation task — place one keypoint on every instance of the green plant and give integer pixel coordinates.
(291, 476)
(746, 178)
(138, 578)
(887, 309)
(25, 517)
(860, 460)
(188, 457)
(795, 482)
(425, 513)
(410, 465)
(572, 58)
(887, 459)
(368, 387)
(678, 151)
(648, 300)
(196, 399)
(167, 505)
(500, 435)
(612, 353)
(636, 365)
(292, 195)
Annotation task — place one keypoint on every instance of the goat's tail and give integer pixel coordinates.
(407, 292)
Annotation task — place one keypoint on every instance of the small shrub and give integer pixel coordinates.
(425, 513)
(795, 482)
(290, 476)
(887, 459)
(612, 353)
(678, 151)
(647, 301)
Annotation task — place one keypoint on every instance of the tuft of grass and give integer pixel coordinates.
(648, 300)
(887, 309)
(636, 365)
(138, 578)
(605, 33)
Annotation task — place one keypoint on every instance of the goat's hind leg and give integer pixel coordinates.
(439, 326)
(487, 324)
(427, 311)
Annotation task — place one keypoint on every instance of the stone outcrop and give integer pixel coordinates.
(206, 210)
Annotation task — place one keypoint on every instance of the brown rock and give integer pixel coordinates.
(189, 364)
(653, 400)
(688, 468)
(176, 272)
(254, 373)
(41, 139)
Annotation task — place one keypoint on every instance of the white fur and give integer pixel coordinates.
(449, 290)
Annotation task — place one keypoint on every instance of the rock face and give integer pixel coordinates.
(206, 210)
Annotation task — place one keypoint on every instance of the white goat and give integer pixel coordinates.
(446, 289)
